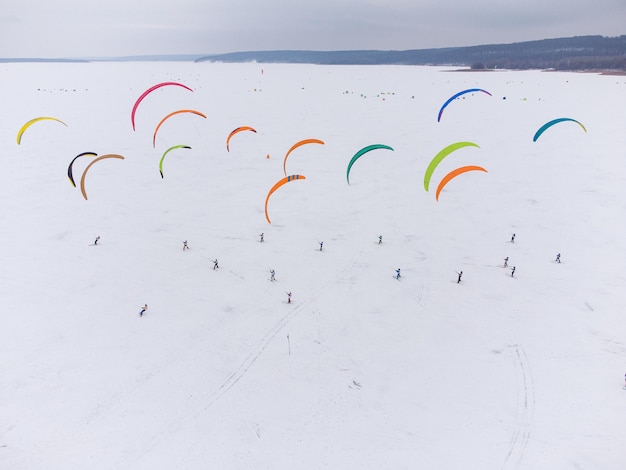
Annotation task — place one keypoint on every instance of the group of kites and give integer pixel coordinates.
(437, 159)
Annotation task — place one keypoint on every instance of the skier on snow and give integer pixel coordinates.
(321, 245)
(459, 279)
(185, 246)
(506, 261)
(288, 297)
(513, 272)
(398, 273)
(272, 275)
(143, 310)
(261, 235)
(215, 265)
(558, 258)
(97, 239)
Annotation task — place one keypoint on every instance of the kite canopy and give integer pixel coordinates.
(103, 157)
(440, 156)
(453, 174)
(549, 124)
(236, 131)
(33, 121)
(362, 152)
(280, 183)
(147, 92)
(166, 152)
(69, 168)
(452, 98)
(295, 146)
(169, 116)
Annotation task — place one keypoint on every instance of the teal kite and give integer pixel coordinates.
(363, 151)
(552, 123)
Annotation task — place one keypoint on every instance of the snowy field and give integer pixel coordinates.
(360, 370)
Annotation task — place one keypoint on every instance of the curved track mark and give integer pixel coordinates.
(525, 409)
(206, 400)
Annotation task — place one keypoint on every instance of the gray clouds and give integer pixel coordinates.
(70, 28)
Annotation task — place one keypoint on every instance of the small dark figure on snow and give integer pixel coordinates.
(215, 265)
(398, 273)
(185, 246)
(506, 262)
(460, 275)
(321, 245)
(96, 240)
(143, 310)
(288, 297)
(513, 238)
(380, 239)
(261, 236)
(513, 272)
(558, 258)
(272, 275)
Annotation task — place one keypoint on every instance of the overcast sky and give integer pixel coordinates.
(78, 28)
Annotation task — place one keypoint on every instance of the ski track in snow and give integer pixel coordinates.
(525, 409)
(204, 401)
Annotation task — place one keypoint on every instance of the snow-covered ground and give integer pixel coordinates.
(360, 370)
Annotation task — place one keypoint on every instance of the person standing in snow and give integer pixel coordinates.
(261, 235)
(506, 261)
(321, 245)
(460, 275)
(288, 297)
(185, 246)
(215, 265)
(380, 239)
(272, 275)
(558, 258)
(398, 273)
(97, 240)
(513, 272)
(513, 239)
(143, 310)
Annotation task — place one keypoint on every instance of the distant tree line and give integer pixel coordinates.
(574, 53)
